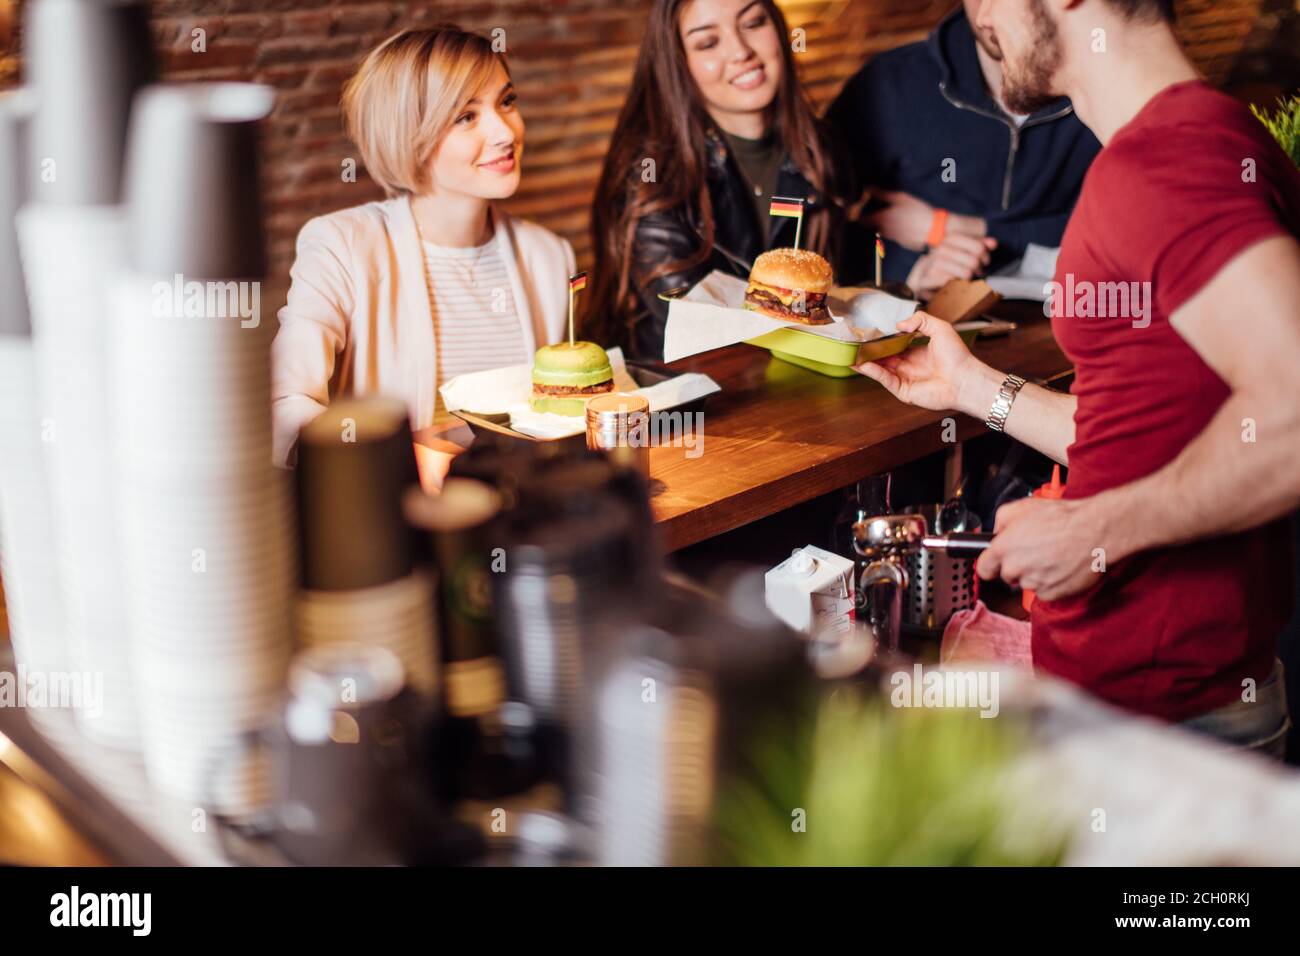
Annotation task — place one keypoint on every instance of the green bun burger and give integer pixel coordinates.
(565, 376)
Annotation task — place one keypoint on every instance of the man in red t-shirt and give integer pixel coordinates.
(1164, 575)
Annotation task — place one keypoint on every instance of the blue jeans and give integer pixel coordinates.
(1260, 725)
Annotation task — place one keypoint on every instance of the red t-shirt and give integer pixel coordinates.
(1168, 202)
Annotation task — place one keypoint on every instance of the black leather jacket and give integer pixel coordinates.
(673, 235)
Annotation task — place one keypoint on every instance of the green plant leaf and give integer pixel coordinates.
(882, 786)
(1284, 125)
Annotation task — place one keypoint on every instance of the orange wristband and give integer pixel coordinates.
(938, 227)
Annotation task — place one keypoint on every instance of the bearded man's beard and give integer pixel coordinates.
(1027, 83)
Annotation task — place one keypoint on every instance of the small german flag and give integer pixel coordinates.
(880, 248)
(578, 283)
(793, 208)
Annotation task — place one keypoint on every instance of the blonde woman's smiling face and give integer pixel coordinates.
(733, 53)
(480, 153)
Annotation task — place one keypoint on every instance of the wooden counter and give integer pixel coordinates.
(778, 435)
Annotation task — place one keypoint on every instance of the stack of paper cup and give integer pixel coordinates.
(85, 62)
(70, 257)
(208, 535)
(28, 557)
(208, 532)
(360, 577)
(397, 616)
(208, 522)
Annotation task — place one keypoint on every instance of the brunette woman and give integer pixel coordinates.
(715, 125)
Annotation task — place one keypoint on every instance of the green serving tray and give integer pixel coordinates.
(821, 368)
(828, 356)
(833, 357)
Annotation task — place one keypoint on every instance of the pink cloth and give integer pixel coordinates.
(980, 635)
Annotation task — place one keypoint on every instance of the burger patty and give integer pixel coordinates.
(574, 389)
(814, 306)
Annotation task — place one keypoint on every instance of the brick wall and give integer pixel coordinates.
(571, 60)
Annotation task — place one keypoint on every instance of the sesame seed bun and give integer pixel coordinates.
(794, 269)
(791, 285)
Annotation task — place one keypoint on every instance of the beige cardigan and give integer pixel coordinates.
(358, 319)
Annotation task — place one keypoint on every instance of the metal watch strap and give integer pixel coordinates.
(997, 419)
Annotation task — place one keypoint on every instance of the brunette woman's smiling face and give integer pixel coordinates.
(479, 155)
(733, 53)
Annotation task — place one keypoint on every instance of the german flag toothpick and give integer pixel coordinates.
(791, 209)
(576, 284)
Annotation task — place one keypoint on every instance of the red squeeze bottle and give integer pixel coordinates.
(1053, 491)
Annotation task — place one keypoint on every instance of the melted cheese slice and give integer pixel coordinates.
(786, 296)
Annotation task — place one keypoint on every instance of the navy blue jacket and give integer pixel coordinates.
(910, 109)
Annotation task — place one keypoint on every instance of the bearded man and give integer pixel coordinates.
(1164, 575)
(961, 183)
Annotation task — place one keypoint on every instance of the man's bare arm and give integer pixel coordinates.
(944, 374)
(1040, 417)
(1243, 470)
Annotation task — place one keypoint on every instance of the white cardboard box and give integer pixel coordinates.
(812, 592)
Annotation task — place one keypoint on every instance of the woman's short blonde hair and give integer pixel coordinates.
(407, 94)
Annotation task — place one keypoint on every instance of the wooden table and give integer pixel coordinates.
(778, 435)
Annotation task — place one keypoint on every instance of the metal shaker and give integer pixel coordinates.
(653, 765)
(619, 425)
(561, 572)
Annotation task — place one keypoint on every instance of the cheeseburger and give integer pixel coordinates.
(790, 284)
(567, 374)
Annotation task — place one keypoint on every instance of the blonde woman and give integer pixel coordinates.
(396, 297)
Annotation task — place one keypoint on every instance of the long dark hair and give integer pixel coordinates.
(664, 119)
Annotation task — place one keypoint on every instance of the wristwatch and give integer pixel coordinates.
(997, 419)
